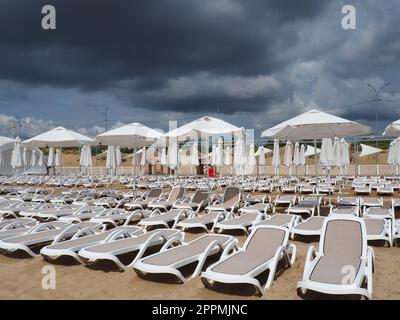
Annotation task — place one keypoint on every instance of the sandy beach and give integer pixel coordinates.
(21, 278)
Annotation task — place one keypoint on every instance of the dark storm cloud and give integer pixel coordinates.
(97, 44)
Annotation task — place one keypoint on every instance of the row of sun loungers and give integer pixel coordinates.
(343, 244)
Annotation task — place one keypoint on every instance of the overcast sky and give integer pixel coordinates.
(258, 62)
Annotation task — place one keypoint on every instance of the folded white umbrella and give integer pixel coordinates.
(111, 160)
(397, 153)
(337, 153)
(391, 159)
(24, 156)
(82, 156)
(173, 154)
(326, 157)
(261, 152)
(164, 160)
(16, 157)
(251, 159)
(296, 154)
(287, 159)
(40, 160)
(219, 159)
(33, 157)
(180, 157)
(88, 157)
(214, 155)
(239, 156)
(51, 161)
(58, 158)
(143, 157)
(302, 157)
(118, 155)
(194, 154)
(252, 156)
(276, 161)
(345, 154)
(228, 156)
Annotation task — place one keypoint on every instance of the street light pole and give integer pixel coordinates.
(377, 99)
(105, 114)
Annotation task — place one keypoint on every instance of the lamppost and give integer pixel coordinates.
(377, 99)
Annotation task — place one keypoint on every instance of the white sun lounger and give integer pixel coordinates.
(230, 201)
(116, 217)
(262, 251)
(175, 195)
(58, 213)
(243, 222)
(17, 223)
(83, 240)
(152, 196)
(345, 210)
(113, 246)
(168, 219)
(379, 229)
(382, 213)
(343, 262)
(14, 227)
(196, 251)
(83, 215)
(310, 227)
(43, 234)
(206, 221)
(281, 220)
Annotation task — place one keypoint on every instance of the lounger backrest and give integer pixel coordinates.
(176, 193)
(266, 237)
(199, 196)
(154, 193)
(344, 237)
(231, 196)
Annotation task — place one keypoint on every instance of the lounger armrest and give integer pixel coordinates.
(178, 238)
(86, 231)
(41, 227)
(193, 214)
(233, 245)
(145, 245)
(116, 233)
(202, 258)
(291, 251)
(135, 213)
(311, 254)
(155, 212)
(75, 228)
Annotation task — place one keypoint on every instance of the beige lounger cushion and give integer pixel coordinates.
(244, 219)
(314, 223)
(342, 247)
(180, 253)
(126, 245)
(277, 220)
(374, 226)
(261, 248)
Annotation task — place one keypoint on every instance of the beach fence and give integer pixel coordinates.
(309, 170)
